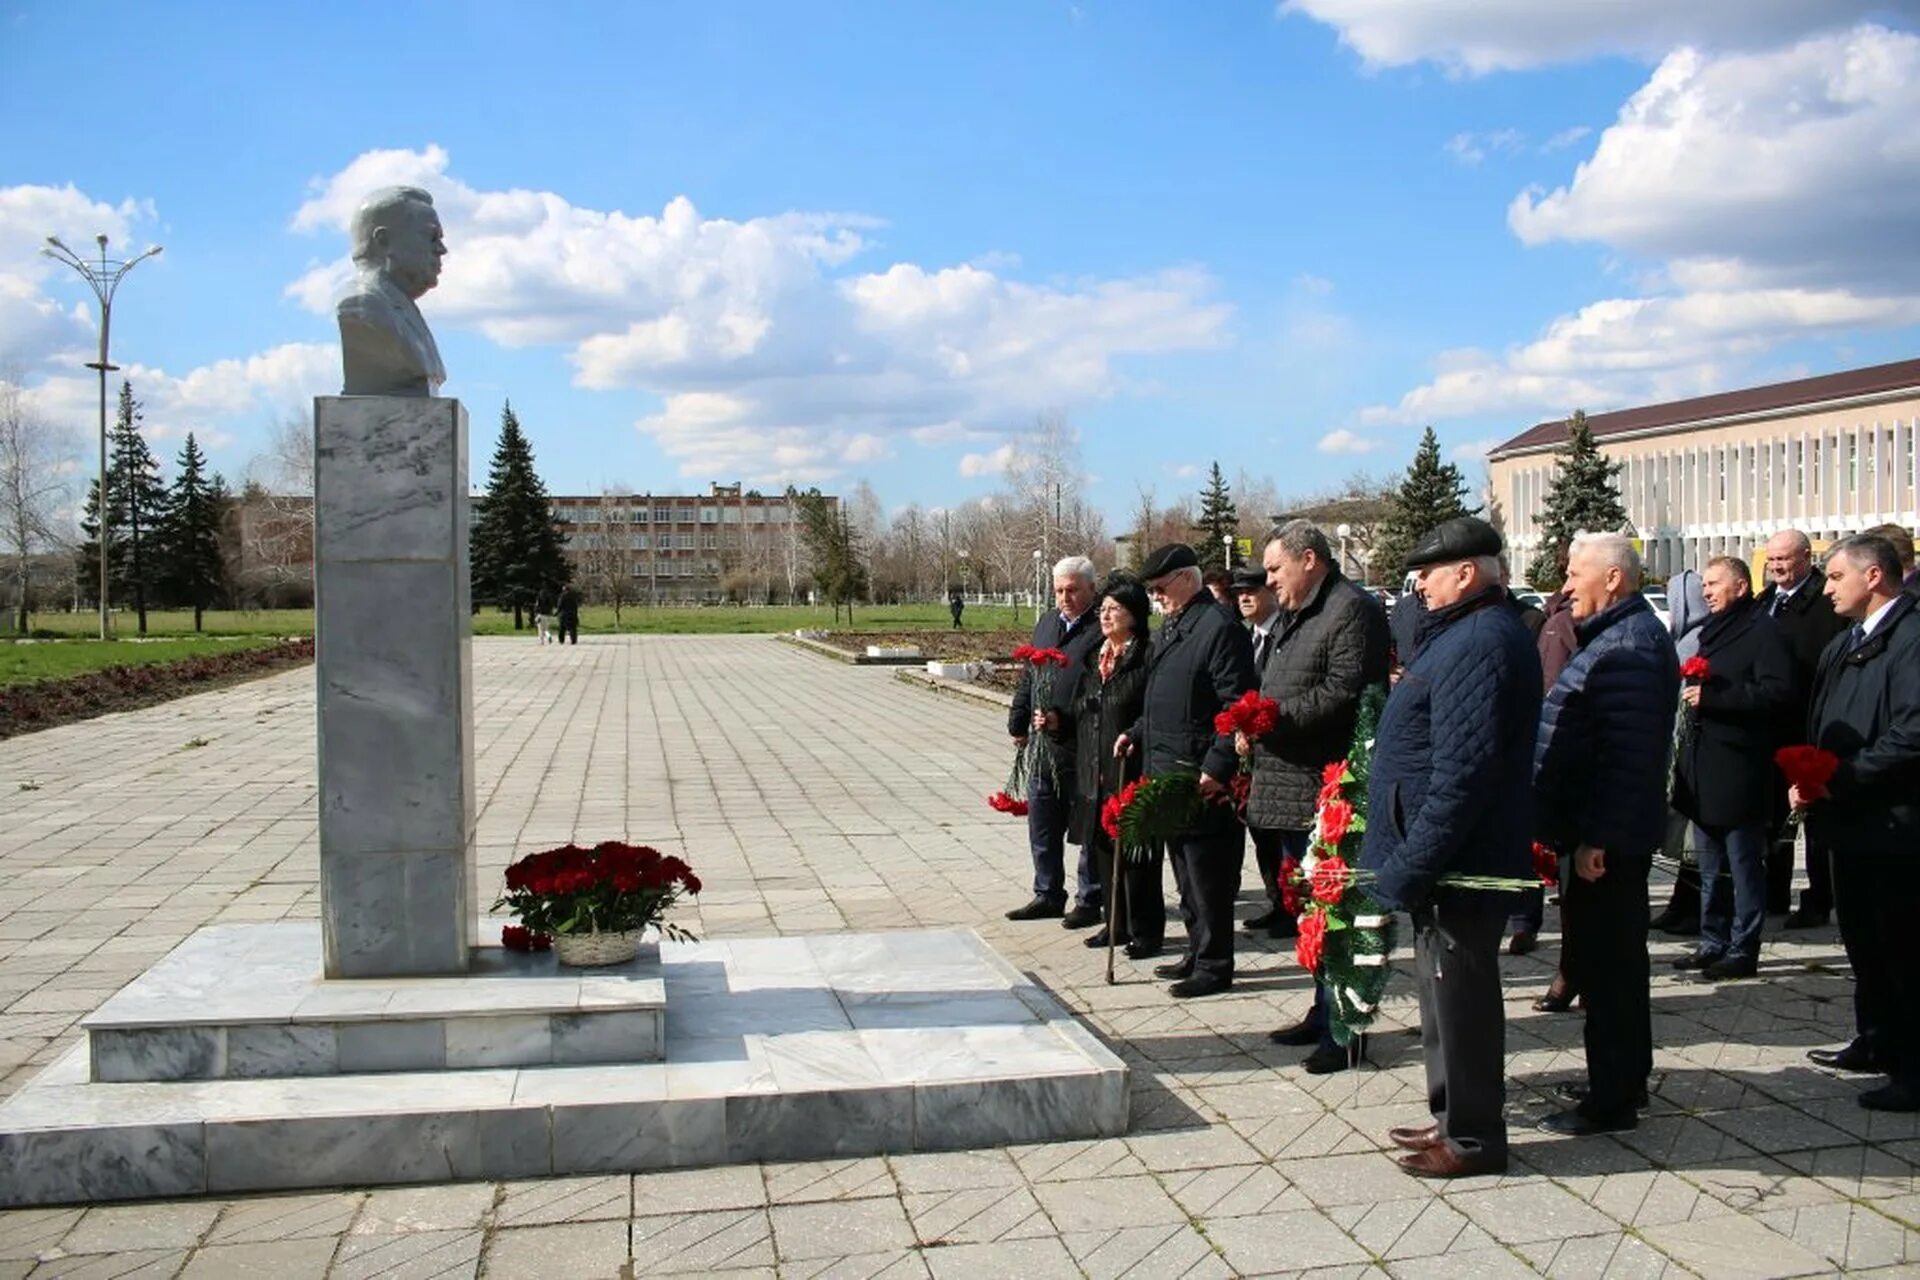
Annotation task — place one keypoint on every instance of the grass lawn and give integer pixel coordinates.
(23, 663)
(594, 620)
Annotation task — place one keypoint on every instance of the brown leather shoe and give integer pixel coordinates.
(1443, 1160)
(1414, 1137)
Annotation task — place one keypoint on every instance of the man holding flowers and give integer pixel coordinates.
(1447, 793)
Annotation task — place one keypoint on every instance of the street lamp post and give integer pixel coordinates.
(104, 276)
(1342, 531)
(1226, 548)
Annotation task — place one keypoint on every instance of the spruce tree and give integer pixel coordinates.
(137, 509)
(1431, 492)
(86, 557)
(1218, 519)
(195, 570)
(517, 546)
(1583, 497)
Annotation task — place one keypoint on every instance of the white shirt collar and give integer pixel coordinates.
(1872, 620)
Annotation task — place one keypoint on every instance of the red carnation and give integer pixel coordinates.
(1005, 803)
(1546, 864)
(1290, 886)
(1024, 652)
(1311, 943)
(1334, 774)
(1335, 817)
(1110, 816)
(1041, 657)
(692, 882)
(1695, 668)
(1809, 768)
(626, 881)
(1330, 880)
(520, 938)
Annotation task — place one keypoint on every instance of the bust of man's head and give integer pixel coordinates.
(396, 233)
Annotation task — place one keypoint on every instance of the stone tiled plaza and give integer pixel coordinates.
(820, 798)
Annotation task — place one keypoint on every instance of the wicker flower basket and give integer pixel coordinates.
(588, 950)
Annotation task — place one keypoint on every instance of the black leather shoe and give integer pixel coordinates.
(1727, 968)
(1698, 959)
(1283, 928)
(1138, 950)
(1299, 1035)
(1805, 919)
(1329, 1058)
(1523, 943)
(1095, 940)
(1200, 984)
(1038, 909)
(1573, 1091)
(1891, 1097)
(1181, 968)
(1575, 1123)
(1081, 917)
(1264, 920)
(1676, 923)
(1858, 1056)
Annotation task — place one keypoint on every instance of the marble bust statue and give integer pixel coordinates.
(384, 341)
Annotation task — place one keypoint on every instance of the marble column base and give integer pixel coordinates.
(247, 1001)
(778, 1049)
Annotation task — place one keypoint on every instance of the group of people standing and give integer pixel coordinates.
(558, 611)
(1570, 726)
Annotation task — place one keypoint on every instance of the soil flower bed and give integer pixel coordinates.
(43, 704)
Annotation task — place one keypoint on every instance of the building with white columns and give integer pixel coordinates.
(1716, 475)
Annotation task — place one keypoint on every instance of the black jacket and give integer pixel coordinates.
(1866, 710)
(1096, 714)
(1324, 655)
(1606, 734)
(1200, 664)
(1807, 623)
(1447, 789)
(1724, 776)
(1077, 641)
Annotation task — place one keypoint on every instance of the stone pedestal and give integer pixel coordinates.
(398, 878)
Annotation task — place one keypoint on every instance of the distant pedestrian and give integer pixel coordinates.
(569, 615)
(543, 619)
(956, 605)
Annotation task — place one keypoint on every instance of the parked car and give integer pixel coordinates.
(1657, 597)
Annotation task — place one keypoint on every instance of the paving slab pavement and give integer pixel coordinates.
(815, 797)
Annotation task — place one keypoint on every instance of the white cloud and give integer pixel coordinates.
(1344, 441)
(768, 357)
(1774, 193)
(1471, 148)
(1565, 138)
(1501, 35)
(1473, 450)
(989, 464)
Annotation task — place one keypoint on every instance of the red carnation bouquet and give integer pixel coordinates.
(613, 887)
(1252, 715)
(1696, 669)
(1038, 753)
(1546, 864)
(1811, 770)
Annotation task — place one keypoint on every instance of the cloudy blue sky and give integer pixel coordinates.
(824, 242)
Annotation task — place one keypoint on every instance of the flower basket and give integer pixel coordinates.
(588, 950)
(592, 905)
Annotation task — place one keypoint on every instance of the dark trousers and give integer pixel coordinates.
(1463, 1024)
(1733, 884)
(1606, 961)
(1818, 897)
(1878, 896)
(1206, 866)
(1271, 848)
(1135, 910)
(1047, 842)
(569, 631)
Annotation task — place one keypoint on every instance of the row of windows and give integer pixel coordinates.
(651, 541)
(571, 513)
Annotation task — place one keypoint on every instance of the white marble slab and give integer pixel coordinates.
(857, 1054)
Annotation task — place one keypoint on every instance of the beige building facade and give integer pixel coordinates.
(1717, 475)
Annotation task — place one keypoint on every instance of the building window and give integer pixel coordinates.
(684, 541)
(709, 542)
(637, 516)
(730, 515)
(709, 515)
(663, 515)
(756, 515)
(641, 542)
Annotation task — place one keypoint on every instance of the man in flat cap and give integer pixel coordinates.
(1600, 792)
(1449, 793)
(1200, 664)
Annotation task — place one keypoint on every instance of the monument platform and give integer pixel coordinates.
(776, 1048)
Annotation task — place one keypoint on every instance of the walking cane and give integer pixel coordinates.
(1113, 899)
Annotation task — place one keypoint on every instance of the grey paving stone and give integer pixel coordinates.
(281, 1259)
(702, 1243)
(1734, 1247)
(833, 1229)
(596, 1250)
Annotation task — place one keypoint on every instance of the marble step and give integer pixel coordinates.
(246, 1001)
(781, 1049)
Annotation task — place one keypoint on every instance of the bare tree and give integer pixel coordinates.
(606, 558)
(33, 488)
(270, 533)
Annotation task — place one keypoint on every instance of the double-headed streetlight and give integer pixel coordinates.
(104, 276)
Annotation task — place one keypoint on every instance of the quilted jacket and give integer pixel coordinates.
(1324, 655)
(1448, 787)
(1606, 731)
(1866, 710)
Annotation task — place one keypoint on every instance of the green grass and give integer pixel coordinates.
(51, 660)
(594, 620)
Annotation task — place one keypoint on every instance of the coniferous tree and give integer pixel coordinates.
(1583, 497)
(1432, 491)
(86, 556)
(517, 546)
(833, 547)
(195, 570)
(1218, 518)
(137, 510)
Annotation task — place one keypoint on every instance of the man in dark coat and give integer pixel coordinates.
(1724, 774)
(1331, 644)
(1260, 612)
(1793, 599)
(1600, 790)
(1071, 628)
(1866, 710)
(1448, 794)
(1200, 665)
(569, 612)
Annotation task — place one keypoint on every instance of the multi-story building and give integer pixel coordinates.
(731, 544)
(1716, 475)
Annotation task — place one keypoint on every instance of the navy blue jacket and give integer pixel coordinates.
(1866, 710)
(1078, 642)
(1606, 731)
(1447, 791)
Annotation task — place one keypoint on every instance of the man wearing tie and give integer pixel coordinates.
(1331, 644)
(1806, 621)
(1260, 610)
